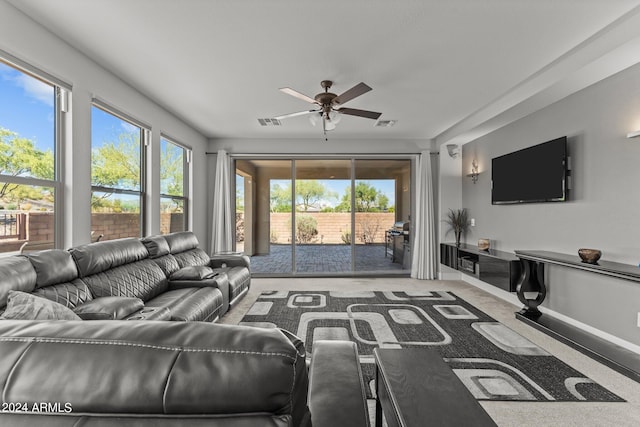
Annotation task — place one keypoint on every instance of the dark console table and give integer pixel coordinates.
(497, 268)
(415, 387)
(532, 282)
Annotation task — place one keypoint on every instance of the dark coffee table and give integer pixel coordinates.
(415, 387)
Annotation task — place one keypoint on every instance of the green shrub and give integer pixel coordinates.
(306, 229)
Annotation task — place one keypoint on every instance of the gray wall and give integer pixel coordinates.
(604, 207)
(25, 39)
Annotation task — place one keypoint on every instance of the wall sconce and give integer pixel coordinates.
(454, 150)
(474, 171)
(633, 134)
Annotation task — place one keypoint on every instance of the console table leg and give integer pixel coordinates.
(532, 280)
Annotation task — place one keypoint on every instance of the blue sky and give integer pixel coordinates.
(106, 127)
(27, 107)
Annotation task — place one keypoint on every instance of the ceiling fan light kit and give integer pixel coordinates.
(328, 105)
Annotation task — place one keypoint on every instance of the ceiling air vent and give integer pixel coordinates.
(269, 122)
(386, 123)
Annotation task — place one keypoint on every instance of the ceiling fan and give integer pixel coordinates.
(328, 105)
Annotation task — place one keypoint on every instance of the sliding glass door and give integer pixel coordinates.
(319, 216)
(382, 199)
(322, 223)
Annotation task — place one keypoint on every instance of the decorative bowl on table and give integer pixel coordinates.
(590, 256)
(484, 244)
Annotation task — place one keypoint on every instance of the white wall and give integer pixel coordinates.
(603, 208)
(450, 197)
(23, 38)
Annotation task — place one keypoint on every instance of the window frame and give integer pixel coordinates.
(186, 178)
(145, 138)
(61, 95)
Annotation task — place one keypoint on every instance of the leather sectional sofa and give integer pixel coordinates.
(156, 278)
(156, 372)
(120, 373)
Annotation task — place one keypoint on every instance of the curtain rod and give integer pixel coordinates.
(323, 155)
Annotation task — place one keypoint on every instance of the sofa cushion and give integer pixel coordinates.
(24, 306)
(156, 245)
(16, 273)
(114, 307)
(167, 263)
(192, 257)
(68, 294)
(190, 304)
(193, 272)
(53, 266)
(203, 306)
(142, 279)
(97, 257)
(181, 241)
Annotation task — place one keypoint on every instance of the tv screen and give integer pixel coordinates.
(534, 174)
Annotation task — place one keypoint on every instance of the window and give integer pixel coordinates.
(174, 173)
(30, 183)
(117, 171)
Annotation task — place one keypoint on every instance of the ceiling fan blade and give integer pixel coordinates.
(355, 91)
(299, 113)
(298, 95)
(360, 113)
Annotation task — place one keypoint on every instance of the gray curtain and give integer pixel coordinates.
(424, 260)
(223, 223)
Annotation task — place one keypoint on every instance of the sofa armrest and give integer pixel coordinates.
(336, 391)
(203, 283)
(97, 316)
(114, 307)
(229, 260)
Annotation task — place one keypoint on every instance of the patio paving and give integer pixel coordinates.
(320, 258)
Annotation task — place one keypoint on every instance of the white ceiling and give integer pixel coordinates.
(445, 69)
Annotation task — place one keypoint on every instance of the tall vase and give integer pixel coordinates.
(458, 233)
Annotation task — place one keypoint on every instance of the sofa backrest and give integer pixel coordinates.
(157, 369)
(57, 278)
(183, 245)
(119, 268)
(51, 274)
(160, 252)
(16, 274)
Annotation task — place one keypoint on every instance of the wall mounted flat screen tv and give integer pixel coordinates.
(532, 175)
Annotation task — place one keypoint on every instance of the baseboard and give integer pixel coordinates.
(497, 292)
(448, 273)
(590, 329)
(513, 299)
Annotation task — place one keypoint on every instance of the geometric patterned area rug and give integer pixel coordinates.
(493, 361)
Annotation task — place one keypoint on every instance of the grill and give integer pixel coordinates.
(399, 228)
(397, 243)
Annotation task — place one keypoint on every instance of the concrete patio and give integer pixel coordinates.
(329, 259)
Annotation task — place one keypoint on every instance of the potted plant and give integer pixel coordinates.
(458, 222)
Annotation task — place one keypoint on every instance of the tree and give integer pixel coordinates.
(280, 198)
(20, 157)
(116, 165)
(171, 170)
(309, 194)
(368, 199)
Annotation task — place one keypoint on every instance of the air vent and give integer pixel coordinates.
(269, 122)
(386, 123)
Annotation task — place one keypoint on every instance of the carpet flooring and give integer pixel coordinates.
(493, 361)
